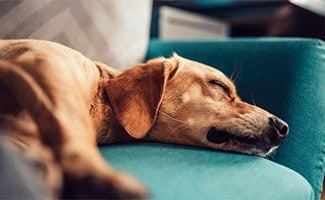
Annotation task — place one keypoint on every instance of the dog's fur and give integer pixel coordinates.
(54, 99)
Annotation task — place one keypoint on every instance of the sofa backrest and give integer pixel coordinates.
(284, 76)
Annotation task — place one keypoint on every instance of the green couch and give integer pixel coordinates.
(286, 77)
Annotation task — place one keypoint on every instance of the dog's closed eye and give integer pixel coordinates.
(223, 86)
(220, 84)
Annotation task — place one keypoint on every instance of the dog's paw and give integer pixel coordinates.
(115, 186)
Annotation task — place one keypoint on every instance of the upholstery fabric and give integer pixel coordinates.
(178, 172)
(18, 175)
(100, 29)
(284, 76)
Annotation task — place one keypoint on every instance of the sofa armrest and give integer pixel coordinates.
(285, 76)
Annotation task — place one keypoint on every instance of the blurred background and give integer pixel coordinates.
(101, 29)
(176, 19)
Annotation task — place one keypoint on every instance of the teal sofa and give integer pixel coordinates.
(283, 75)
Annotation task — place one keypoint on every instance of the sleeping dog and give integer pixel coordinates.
(57, 106)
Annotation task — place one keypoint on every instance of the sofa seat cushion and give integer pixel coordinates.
(179, 172)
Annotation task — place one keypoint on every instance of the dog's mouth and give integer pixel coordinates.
(238, 143)
(219, 137)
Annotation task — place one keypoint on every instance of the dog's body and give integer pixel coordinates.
(53, 98)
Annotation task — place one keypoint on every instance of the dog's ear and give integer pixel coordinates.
(136, 94)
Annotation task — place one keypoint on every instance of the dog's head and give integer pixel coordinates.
(181, 101)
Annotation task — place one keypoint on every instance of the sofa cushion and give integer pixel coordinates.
(179, 172)
(18, 176)
(100, 29)
(283, 75)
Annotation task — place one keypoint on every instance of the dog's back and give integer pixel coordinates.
(36, 82)
(46, 91)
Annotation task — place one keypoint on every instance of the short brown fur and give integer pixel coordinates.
(54, 98)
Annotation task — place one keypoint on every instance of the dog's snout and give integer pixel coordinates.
(280, 125)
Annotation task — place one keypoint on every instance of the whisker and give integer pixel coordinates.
(242, 76)
(253, 100)
(174, 130)
(172, 118)
(271, 155)
(236, 74)
(236, 71)
(182, 123)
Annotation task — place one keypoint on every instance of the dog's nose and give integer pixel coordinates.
(281, 126)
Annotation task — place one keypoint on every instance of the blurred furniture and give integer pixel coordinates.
(98, 29)
(255, 18)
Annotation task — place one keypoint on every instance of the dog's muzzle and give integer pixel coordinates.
(272, 136)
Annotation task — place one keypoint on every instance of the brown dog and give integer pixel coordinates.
(53, 98)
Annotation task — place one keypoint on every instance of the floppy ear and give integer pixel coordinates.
(136, 94)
